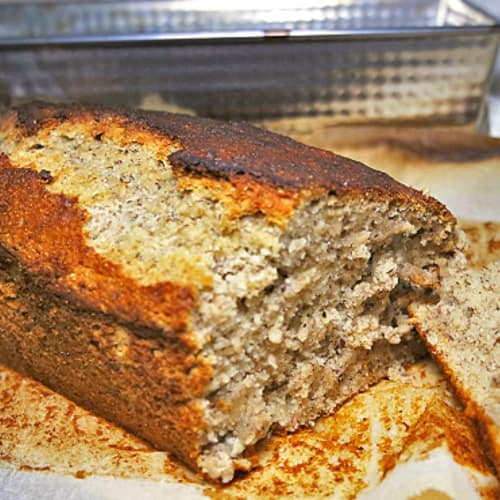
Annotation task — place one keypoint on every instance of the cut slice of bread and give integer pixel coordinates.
(462, 332)
(204, 283)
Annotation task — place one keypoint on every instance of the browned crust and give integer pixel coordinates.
(45, 232)
(488, 430)
(156, 397)
(146, 383)
(244, 196)
(230, 150)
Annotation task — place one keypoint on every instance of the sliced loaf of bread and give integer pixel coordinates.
(203, 283)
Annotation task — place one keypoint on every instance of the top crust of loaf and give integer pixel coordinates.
(246, 168)
(229, 150)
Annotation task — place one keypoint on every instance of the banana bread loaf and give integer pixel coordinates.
(202, 283)
(462, 332)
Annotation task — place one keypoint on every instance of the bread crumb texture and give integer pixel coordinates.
(244, 280)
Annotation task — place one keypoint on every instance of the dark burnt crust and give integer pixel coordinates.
(231, 150)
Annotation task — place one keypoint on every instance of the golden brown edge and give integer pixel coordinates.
(488, 431)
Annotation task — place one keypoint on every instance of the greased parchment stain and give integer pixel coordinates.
(343, 454)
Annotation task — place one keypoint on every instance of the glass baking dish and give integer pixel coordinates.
(350, 60)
